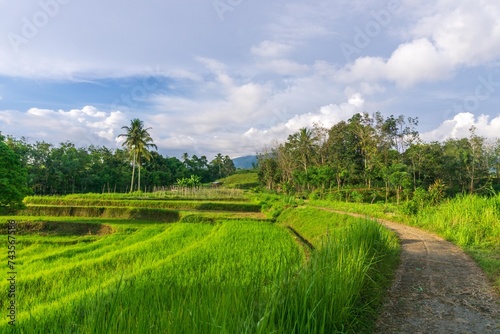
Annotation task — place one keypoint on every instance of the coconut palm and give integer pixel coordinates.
(138, 141)
(304, 146)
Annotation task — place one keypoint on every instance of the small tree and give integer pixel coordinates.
(13, 179)
(193, 181)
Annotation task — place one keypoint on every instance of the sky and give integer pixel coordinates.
(234, 76)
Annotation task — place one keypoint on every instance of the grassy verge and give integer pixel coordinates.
(344, 282)
(471, 222)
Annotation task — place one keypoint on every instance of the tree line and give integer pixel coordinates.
(64, 168)
(377, 158)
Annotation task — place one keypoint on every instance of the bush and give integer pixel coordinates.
(420, 200)
(357, 197)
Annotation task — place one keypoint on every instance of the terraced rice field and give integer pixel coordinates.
(138, 265)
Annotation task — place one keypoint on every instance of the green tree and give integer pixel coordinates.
(268, 171)
(217, 164)
(344, 153)
(138, 141)
(477, 166)
(362, 125)
(303, 145)
(221, 166)
(400, 179)
(13, 179)
(228, 167)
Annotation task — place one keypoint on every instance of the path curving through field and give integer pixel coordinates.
(437, 289)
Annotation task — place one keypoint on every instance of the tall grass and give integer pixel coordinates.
(230, 277)
(342, 286)
(466, 220)
(471, 222)
(176, 278)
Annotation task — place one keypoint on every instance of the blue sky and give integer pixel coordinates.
(233, 76)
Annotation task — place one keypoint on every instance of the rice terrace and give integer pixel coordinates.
(148, 264)
(200, 261)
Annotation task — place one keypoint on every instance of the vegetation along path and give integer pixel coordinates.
(437, 289)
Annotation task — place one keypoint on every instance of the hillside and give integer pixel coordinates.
(241, 180)
(246, 162)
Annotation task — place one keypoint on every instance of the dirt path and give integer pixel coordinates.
(437, 289)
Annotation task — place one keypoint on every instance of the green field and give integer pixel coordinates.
(241, 180)
(147, 264)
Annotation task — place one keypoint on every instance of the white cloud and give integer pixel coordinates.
(417, 61)
(326, 116)
(465, 31)
(264, 68)
(86, 126)
(459, 127)
(447, 36)
(356, 100)
(411, 63)
(271, 49)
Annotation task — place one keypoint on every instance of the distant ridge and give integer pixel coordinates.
(246, 162)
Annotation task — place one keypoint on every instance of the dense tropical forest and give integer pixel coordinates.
(65, 168)
(370, 158)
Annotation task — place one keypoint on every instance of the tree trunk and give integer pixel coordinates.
(133, 173)
(139, 166)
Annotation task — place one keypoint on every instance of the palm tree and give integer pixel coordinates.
(219, 159)
(304, 145)
(138, 141)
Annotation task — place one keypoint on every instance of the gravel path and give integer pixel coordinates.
(437, 289)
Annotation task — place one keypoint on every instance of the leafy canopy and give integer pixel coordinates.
(13, 179)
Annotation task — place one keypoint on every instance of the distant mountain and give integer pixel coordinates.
(245, 162)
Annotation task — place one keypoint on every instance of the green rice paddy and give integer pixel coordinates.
(192, 265)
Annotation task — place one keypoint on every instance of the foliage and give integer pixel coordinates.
(138, 141)
(222, 166)
(192, 181)
(375, 152)
(13, 179)
(65, 169)
(274, 205)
